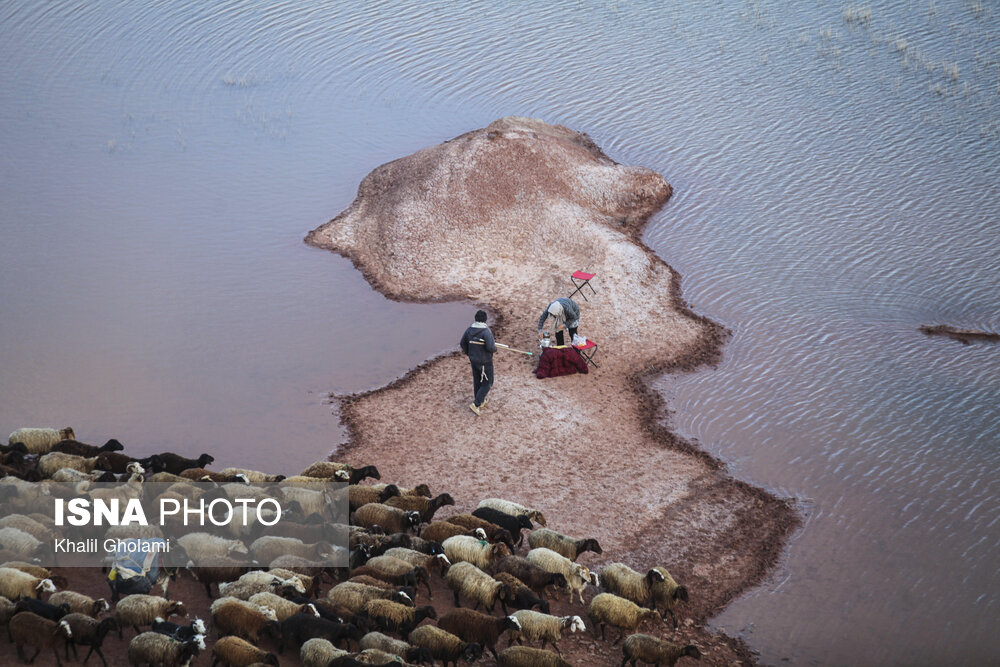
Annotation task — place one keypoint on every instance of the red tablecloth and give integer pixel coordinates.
(560, 361)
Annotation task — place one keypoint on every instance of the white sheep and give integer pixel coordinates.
(577, 576)
(306, 580)
(123, 493)
(6, 611)
(354, 596)
(28, 525)
(80, 603)
(319, 653)
(536, 626)
(258, 582)
(220, 602)
(282, 608)
(17, 541)
(627, 616)
(50, 463)
(269, 547)
(413, 557)
(562, 544)
(40, 440)
(15, 584)
(525, 656)
(649, 649)
(73, 476)
(379, 642)
(152, 648)
(139, 610)
(312, 501)
(478, 552)
(202, 547)
(469, 581)
(252, 476)
(390, 519)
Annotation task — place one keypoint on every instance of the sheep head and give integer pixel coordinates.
(511, 623)
(205, 460)
(499, 550)
(681, 593)
(649, 615)
(46, 586)
(113, 445)
(692, 651)
(574, 623)
(442, 500)
(419, 655)
(473, 652)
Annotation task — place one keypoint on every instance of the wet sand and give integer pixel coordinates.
(501, 217)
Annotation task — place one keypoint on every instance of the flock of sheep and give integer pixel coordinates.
(280, 589)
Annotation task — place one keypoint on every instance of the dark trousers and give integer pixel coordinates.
(482, 381)
(559, 335)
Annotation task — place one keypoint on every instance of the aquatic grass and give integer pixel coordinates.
(245, 81)
(858, 15)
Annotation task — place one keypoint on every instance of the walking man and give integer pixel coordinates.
(478, 343)
(566, 314)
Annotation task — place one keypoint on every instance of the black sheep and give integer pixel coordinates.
(522, 597)
(181, 633)
(513, 524)
(43, 609)
(358, 474)
(299, 628)
(82, 449)
(90, 632)
(175, 464)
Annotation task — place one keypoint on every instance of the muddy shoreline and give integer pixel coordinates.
(717, 534)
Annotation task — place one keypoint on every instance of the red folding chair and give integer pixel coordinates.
(585, 282)
(587, 351)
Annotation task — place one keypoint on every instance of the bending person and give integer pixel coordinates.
(478, 343)
(566, 315)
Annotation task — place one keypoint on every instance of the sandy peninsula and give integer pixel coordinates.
(500, 217)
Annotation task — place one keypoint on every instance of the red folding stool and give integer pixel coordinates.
(583, 350)
(585, 277)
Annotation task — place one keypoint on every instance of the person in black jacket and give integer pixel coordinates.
(478, 343)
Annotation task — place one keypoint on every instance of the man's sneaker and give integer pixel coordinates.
(485, 401)
(475, 409)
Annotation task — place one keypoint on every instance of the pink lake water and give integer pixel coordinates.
(835, 178)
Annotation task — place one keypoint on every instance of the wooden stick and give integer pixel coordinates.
(506, 347)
